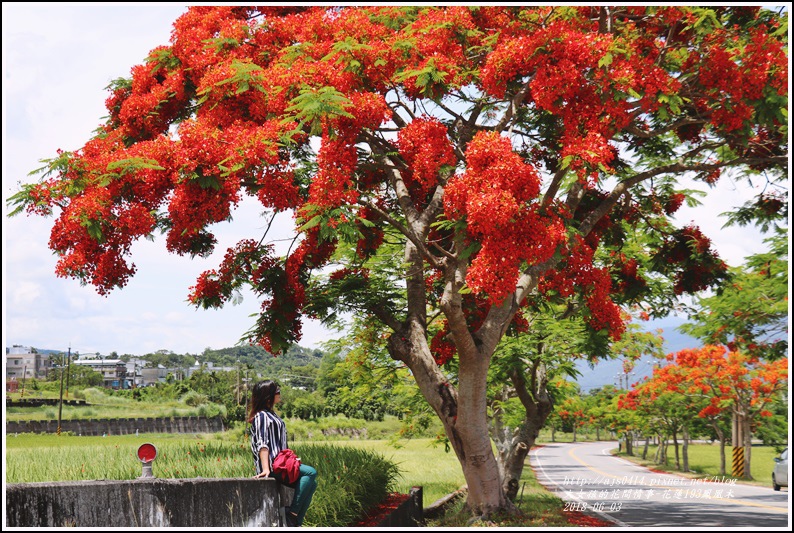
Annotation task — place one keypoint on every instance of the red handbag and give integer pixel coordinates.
(286, 467)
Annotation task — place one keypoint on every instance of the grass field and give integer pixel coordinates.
(704, 461)
(36, 457)
(30, 457)
(102, 405)
(420, 463)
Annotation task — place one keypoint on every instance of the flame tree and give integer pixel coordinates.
(497, 147)
(716, 380)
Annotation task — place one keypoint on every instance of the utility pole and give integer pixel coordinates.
(60, 401)
(245, 389)
(68, 367)
(24, 373)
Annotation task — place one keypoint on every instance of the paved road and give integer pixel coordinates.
(590, 479)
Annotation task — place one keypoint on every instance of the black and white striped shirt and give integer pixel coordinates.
(267, 431)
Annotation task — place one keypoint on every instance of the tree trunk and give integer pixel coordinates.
(645, 448)
(675, 446)
(721, 437)
(629, 443)
(513, 445)
(748, 443)
(685, 449)
(461, 409)
(463, 415)
(574, 432)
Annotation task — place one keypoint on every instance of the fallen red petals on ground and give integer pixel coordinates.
(376, 515)
(578, 518)
(382, 510)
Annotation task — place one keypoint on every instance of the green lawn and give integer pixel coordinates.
(704, 461)
(420, 463)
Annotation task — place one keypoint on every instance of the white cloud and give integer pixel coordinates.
(25, 294)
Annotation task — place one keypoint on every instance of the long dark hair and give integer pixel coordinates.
(262, 397)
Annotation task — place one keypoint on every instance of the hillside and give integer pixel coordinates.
(611, 372)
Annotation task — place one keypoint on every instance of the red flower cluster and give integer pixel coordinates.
(585, 77)
(495, 195)
(578, 274)
(674, 203)
(695, 264)
(425, 148)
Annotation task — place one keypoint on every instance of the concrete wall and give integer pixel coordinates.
(120, 426)
(38, 402)
(244, 502)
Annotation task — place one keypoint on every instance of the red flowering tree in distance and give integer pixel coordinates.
(721, 380)
(499, 147)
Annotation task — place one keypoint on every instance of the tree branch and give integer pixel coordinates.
(512, 108)
(554, 186)
(621, 188)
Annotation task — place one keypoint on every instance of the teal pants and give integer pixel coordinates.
(304, 491)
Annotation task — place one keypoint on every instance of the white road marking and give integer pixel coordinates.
(572, 496)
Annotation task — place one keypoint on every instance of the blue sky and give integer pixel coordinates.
(57, 61)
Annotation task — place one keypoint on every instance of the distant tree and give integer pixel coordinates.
(736, 382)
(751, 312)
(360, 380)
(627, 424)
(304, 377)
(598, 408)
(79, 376)
(663, 406)
(774, 430)
(561, 390)
(572, 414)
(302, 404)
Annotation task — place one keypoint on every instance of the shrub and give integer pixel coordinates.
(350, 482)
(95, 395)
(194, 399)
(326, 428)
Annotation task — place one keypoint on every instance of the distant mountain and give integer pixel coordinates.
(611, 372)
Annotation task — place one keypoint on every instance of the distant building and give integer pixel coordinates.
(209, 366)
(152, 375)
(114, 371)
(135, 372)
(23, 362)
